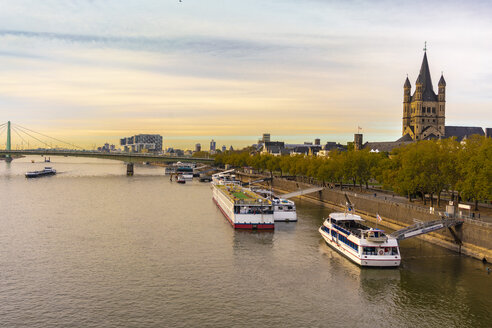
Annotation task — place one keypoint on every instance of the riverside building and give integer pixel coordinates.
(142, 143)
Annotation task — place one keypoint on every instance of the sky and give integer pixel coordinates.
(90, 72)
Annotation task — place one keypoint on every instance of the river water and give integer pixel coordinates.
(91, 247)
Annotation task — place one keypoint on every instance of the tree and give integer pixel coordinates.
(475, 162)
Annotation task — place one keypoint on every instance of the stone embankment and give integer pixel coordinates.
(476, 236)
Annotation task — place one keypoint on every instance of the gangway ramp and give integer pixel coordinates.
(256, 181)
(421, 228)
(206, 171)
(301, 192)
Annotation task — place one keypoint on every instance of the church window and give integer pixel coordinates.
(433, 110)
(423, 120)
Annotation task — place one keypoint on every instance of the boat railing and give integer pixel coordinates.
(381, 239)
(376, 236)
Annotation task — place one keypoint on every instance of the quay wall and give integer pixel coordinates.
(476, 236)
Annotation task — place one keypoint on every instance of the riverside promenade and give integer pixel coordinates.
(473, 238)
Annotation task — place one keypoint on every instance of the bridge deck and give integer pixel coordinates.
(126, 157)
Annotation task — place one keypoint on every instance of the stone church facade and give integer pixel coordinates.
(424, 112)
(424, 115)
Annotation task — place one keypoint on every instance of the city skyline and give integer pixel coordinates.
(93, 72)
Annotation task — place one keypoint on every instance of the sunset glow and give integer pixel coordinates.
(94, 71)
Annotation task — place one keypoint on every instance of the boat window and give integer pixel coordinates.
(394, 250)
(369, 250)
(280, 208)
(347, 242)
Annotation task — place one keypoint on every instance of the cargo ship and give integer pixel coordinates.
(243, 208)
(365, 246)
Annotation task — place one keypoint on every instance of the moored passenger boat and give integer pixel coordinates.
(284, 210)
(181, 179)
(180, 168)
(186, 176)
(363, 245)
(243, 208)
(226, 177)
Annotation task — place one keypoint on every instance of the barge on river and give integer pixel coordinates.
(37, 174)
(365, 246)
(243, 208)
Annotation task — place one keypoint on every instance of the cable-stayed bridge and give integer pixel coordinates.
(27, 137)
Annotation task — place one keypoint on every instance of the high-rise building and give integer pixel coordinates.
(224, 148)
(213, 144)
(198, 147)
(142, 142)
(266, 137)
(317, 142)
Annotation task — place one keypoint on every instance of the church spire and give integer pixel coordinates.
(424, 79)
(425, 75)
(407, 83)
(442, 82)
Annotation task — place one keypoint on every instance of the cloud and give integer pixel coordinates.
(188, 44)
(294, 68)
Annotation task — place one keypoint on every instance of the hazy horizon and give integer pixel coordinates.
(91, 72)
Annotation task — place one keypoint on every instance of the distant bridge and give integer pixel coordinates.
(130, 158)
(125, 157)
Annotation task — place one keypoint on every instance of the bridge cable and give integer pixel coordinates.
(44, 135)
(2, 129)
(41, 141)
(15, 130)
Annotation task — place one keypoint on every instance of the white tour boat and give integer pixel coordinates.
(364, 245)
(226, 177)
(284, 210)
(186, 176)
(243, 208)
(180, 168)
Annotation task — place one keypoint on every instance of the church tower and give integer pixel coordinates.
(424, 112)
(442, 105)
(407, 88)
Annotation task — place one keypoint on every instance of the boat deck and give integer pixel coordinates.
(353, 227)
(242, 196)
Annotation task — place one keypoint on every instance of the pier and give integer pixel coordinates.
(465, 236)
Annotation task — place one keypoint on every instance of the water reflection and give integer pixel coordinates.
(248, 240)
(361, 275)
(132, 251)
